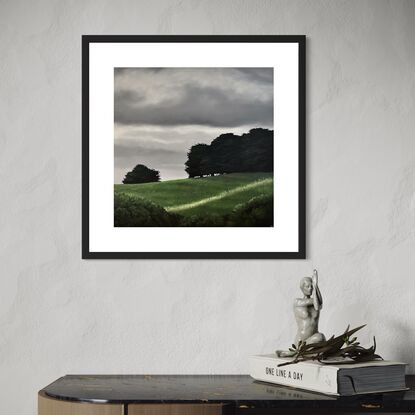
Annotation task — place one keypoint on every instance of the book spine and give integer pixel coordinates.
(310, 377)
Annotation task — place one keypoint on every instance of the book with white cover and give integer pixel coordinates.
(333, 379)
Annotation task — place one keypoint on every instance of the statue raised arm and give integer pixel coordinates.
(318, 299)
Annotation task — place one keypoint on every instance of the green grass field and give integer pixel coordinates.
(212, 195)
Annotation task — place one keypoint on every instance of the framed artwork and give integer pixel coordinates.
(193, 147)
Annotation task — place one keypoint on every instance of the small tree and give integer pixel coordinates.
(141, 174)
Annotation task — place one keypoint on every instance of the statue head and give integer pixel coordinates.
(306, 286)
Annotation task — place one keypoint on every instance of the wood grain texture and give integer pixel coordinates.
(49, 406)
(175, 409)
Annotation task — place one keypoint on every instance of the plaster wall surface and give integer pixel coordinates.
(60, 315)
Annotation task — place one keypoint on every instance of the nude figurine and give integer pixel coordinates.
(307, 314)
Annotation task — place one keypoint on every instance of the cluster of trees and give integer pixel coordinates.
(141, 174)
(230, 153)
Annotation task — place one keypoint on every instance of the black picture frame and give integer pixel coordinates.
(300, 40)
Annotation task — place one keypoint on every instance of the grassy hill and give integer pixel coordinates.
(216, 195)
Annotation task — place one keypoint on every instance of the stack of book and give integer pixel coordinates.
(336, 378)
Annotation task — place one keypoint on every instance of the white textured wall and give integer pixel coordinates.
(59, 314)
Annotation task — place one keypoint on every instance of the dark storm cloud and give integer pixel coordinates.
(258, 75)
(197, 105)
(217, 97)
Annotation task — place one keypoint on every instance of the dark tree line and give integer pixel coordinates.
(230, 153)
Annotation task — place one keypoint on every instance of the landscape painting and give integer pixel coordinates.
(194, 147)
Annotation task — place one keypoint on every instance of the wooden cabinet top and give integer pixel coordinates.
(241, 391)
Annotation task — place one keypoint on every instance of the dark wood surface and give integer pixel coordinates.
(240, 391)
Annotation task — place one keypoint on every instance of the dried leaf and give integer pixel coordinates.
(333, 348)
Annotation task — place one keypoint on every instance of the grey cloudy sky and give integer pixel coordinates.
(160, 113)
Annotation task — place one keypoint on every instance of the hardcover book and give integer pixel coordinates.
(339, 378)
